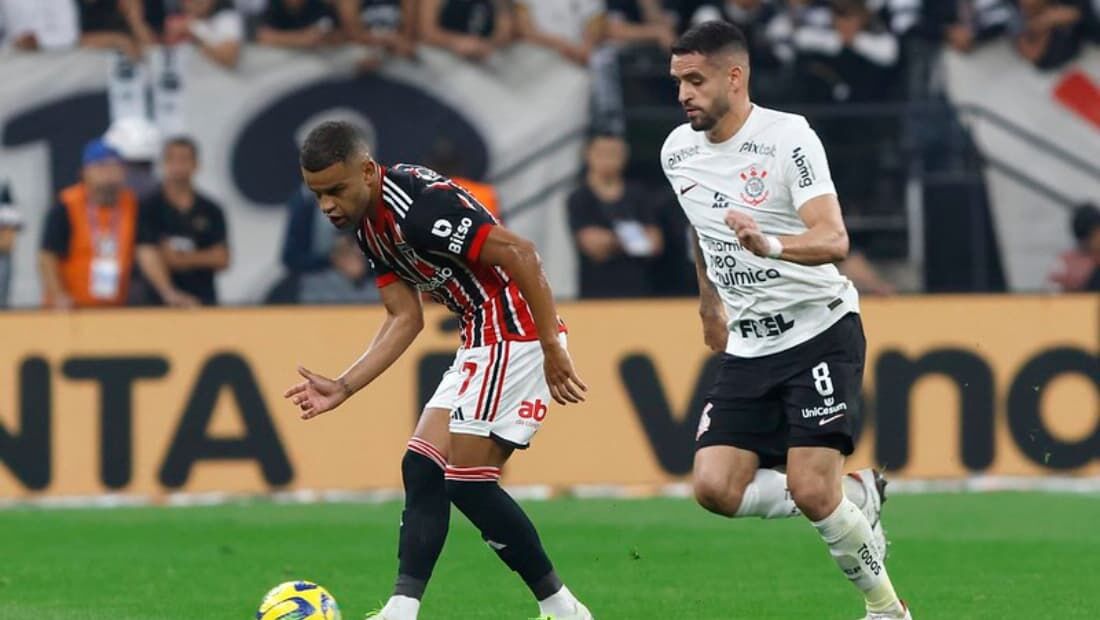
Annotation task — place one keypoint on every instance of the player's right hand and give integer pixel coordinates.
(565, 386)
(317, 394)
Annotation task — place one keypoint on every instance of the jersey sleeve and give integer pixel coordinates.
(442, 220)
(805, 167)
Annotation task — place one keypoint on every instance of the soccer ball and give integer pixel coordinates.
(298, 600)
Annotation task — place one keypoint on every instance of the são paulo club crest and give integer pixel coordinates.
(755, 191)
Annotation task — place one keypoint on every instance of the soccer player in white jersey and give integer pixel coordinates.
(755, 186)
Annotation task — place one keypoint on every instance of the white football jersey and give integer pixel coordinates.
(771, 167)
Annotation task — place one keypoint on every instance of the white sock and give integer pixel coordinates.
(401, 608)
(561, 603)
(848, 535)
(853, 490)
(767, 497)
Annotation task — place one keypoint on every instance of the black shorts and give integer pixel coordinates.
(807, 395)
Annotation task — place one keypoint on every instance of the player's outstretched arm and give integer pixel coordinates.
(404, 321)
(519, 258)
(825, 240)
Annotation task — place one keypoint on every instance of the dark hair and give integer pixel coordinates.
(331, 142)
(710, 38)
(1086, 218)
(185, 141)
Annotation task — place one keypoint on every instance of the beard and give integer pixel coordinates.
(106, 194)
(705, 120)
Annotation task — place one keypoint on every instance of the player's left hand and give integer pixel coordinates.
(565, 386)
(748, 233)
(317, 394)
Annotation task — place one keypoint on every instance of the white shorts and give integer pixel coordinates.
(496, 391)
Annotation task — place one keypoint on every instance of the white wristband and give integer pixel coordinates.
(775, 246)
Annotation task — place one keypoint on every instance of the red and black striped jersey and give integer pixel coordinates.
(428, 232)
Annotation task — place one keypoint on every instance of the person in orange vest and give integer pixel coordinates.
(87, 251)
(445, 159)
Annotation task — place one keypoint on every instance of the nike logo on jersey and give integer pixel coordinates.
(827, 420)
(684, 190)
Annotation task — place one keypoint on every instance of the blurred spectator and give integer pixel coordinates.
(213, 26)
(183, 230)
(388, 24)
(307, 244)
(571, 28)
(851, 60)
(473, 29)
(1079, 268)
(446, 160)
(686, 13)
(754, 18)
(639, 21)
(968, 23)
(88, 239)
(795, 16)
(902, 17)
(115, 24)
(672, 273)
(155, 12)
(323, 265)
(299, 24)
(613, 225)
(10, 225)
(636, 30)
(347, 281)
(1049, 32)
(31, 25)
(852, 57)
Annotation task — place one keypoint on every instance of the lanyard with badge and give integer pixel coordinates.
(106, 270)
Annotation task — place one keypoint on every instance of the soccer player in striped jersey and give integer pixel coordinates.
(424, 234)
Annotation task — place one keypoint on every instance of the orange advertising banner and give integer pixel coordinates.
(150, 402)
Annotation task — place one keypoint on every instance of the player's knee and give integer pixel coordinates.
(464, 491)
(420, 472)
(716, 494)
(814, 495)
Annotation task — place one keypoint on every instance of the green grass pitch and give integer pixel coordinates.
(996, 556)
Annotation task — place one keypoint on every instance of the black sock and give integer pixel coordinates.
(504, 525)
(425, 519)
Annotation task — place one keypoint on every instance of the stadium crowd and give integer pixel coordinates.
(137, 231)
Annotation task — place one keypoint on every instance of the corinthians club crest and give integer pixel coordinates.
(755, 191)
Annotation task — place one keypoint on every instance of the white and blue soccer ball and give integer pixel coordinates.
(298, 600)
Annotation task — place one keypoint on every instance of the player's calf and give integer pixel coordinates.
(424, 524)
(815, 482)
(505, 527)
